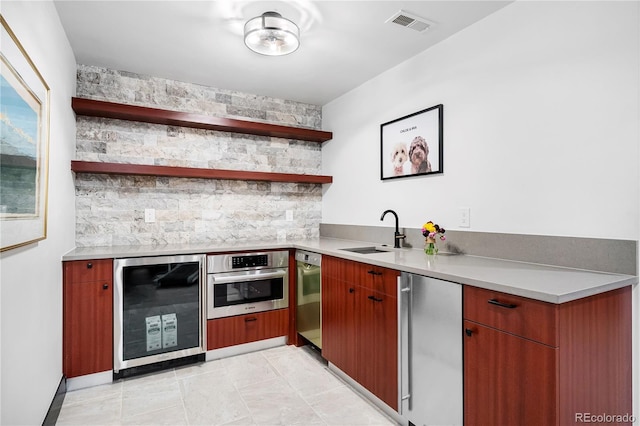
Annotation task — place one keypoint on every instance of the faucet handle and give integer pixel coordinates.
(398, 236)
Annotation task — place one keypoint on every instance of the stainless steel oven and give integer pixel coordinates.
(240, 283)
(158, 309)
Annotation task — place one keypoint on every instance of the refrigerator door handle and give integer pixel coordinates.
(405, 341)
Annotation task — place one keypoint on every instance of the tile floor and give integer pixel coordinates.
(280, 386)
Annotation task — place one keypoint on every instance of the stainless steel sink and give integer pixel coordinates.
(365, 250)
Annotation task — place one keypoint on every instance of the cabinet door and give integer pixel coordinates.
(377, 352)
(88, 320)
(339, 324)
(508, 380)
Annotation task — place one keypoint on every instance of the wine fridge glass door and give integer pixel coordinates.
(160, 310)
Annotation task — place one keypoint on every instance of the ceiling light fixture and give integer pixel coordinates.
(271, 34)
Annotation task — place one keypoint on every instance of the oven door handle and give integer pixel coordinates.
(226, 279)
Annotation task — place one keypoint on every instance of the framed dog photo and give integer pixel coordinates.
(412, 145)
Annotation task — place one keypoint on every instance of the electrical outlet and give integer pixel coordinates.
(464, 217)
(149, 215)
(289, 215)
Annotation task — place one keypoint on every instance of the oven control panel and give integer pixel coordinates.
(234, 262)
(250, 261)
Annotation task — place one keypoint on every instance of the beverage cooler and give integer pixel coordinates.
(159, 307)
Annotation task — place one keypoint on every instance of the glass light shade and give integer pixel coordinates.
(271, 34)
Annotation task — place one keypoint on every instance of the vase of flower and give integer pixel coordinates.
(430, 230)
(430, 246)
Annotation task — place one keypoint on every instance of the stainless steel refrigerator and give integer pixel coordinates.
(430, 340)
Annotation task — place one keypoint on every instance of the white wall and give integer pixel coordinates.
(541, 133)
(31, 277)
(540, 127)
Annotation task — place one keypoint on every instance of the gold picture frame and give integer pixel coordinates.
(24, 145)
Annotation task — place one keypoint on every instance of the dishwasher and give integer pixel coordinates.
(430, 344)
(309, 297)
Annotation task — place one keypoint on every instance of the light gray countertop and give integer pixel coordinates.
(542, 282)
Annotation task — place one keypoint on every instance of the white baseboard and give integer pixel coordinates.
(89, 380)
(246, 348)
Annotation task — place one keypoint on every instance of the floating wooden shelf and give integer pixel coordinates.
(94, 108)
(190, 172)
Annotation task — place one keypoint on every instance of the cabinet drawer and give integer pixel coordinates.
(377, 278)
(339, 269)
(79, 271)
(371, 277)
(528, 318)
(231, 331)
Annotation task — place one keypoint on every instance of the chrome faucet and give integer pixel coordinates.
(397, 236)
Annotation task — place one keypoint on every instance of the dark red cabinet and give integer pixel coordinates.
(87, 317)
(236, 330)
(360, 324)
(528, 362)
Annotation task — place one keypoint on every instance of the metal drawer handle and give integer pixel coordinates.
(375, 299)
(234, 277)
(374, 273)
(501, 304)
(250, 319)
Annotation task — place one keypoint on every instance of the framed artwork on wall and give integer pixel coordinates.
(412, 145)
(24, 143)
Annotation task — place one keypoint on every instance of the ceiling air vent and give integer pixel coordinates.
(409, 20)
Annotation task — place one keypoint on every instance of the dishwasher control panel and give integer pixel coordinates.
(308, 257)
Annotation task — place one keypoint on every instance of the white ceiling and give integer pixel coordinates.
(343, 43)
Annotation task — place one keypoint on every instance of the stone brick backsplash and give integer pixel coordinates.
(135, 89)
(110, 209)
